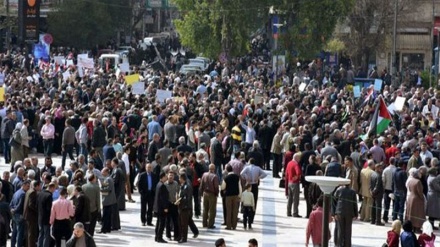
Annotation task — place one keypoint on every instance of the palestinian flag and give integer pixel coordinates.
(381, 118)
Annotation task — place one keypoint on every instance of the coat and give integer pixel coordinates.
(161, 200)
(433, 200)
(108, 192)
(89, 241)
(277, 147)
(415, 202)
(365, 182)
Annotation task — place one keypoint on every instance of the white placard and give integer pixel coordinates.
(162, 95)
(399, 103)
(2, 79)
(86, 62)
(59, 60)
(125, 67)
(302, 87)
(138, 88)
(80, 71)
(392, 108)
(66, 75)
(258, 99)
(69, 62)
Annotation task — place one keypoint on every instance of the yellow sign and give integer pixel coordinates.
(131, 79)
(2, 94)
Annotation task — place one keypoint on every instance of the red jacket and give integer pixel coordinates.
(293, 173)
(393, 239)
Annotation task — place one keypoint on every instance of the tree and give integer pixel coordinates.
(84, 24)
(310, 24)
(371, 23)
(215, 26)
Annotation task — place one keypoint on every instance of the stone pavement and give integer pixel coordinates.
(271, 226)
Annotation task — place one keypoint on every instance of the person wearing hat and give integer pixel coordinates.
(377, 191)
(80, 236)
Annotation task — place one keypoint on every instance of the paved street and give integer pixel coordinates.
(271, 227)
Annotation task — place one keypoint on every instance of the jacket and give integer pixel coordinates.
(98, 138)
(143, 184)
(92, 191)
(30, 213)
(277, 147)
(82, 209)
(68, 136)
(89, 241)
(399, 180)
(108, 192)
(44, 203)
(185, 196)
(8, 126)
(161, 200)
(376, 185)
(346, 202)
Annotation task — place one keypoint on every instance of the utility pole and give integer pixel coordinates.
(393, 65)
(432, 39)
(8, 29)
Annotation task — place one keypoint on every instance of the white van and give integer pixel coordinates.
(112, 59)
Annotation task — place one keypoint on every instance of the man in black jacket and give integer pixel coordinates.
(265, 136)
(82, 208)
(232, 190)
(98, 138)
(185, 207)
(161, 207)
(377, 191)
(399, 190)
(146, 185)
(217, 154)
(44, 202)
(78, 235)
(344, 211)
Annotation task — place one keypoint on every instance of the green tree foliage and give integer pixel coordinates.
(310, 24)
(215, 26)
(84, 23)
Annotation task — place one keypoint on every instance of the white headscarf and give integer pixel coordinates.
(18, 126)
(427, 228)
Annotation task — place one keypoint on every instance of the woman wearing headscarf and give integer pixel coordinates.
(433, 199)
(415, 200)
(16, 147)
(427, 238)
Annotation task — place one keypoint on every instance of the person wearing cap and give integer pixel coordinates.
(48, 134)
(377, 192)
(80, 237)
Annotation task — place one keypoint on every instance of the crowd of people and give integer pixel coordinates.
(217, 136)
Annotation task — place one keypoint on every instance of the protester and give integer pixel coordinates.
(80, 236)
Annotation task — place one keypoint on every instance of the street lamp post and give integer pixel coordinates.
(327, 185)
(278, 26)
(436, 68)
